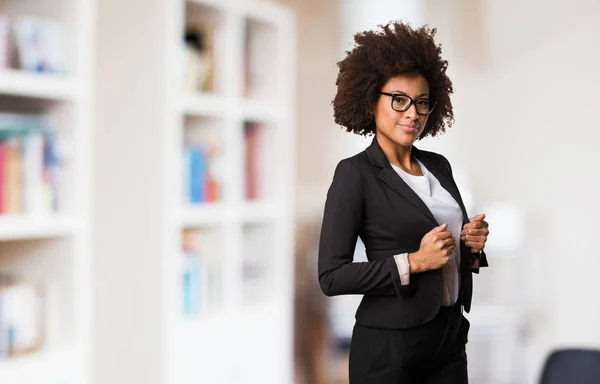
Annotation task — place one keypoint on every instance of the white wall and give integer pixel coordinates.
(502, 53)
(526, 95)
(526, 107)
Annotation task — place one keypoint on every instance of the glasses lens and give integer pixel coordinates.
(423, 106)
(400, 103)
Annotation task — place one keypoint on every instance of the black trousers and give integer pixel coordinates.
(432, 353)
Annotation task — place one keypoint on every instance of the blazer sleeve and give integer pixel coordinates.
(478, 259)
(342, 224)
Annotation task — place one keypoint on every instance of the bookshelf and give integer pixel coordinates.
(45, 127)
(236, 283)
(31, 85)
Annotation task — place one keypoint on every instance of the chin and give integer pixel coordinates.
(405, 140)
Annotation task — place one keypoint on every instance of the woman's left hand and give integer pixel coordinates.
(475, 233)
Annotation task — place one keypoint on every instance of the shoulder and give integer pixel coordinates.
(349, 167)
(355, 164)
(352, 169)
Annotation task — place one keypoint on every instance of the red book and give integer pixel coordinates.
(251, 141)
(3, 181)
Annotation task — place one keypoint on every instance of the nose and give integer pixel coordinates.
(411, 112)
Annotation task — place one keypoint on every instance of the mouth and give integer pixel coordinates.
(410, 128)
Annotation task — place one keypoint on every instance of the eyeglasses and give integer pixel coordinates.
(401, 103)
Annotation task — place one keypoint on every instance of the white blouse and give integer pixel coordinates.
(445, 210)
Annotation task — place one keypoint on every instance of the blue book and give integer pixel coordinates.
(191, 284)
(198, 168)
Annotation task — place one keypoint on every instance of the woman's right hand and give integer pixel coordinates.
(435, 250)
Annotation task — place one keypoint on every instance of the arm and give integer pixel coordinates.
(342, 223)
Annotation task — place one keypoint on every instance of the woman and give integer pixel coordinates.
(404, 204)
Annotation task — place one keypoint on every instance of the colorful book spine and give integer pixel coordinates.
(201, 185)
(30, 165)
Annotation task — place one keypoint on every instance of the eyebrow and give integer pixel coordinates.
(406, 94)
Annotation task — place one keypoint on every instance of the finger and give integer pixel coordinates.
(442, 243)
(439, 228)
(449, 242)
(469, 226)
(477, 218)
(445, 235)
(440, 236)
(448, 251)
(475, 232)
(474, 239)
(476, 225)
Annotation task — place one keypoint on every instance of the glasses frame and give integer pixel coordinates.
(412, 101)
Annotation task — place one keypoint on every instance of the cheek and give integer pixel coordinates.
(423, 123)
(384, 114)
(391, 115)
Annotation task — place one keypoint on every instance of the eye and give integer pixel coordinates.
(400, 99)
(423, 103)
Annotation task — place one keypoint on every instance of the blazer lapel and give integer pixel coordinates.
(394, 181)
(435, 169)
(391, 178)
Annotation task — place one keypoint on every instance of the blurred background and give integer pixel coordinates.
(164, 165)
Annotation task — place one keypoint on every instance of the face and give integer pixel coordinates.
(401, 128)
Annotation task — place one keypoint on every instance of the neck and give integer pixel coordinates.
(396, 154)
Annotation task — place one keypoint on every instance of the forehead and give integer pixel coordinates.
(409, 84)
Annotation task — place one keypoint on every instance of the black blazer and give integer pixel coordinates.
(367, 198)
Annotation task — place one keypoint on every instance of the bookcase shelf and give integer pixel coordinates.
(22, 227)
(245, 116)
(203, 200)
(245, 212)
(264, 111)
(45, 252)
(201, 104)
(212, 105)
(263, 211)
(42, 86)
(204, 214)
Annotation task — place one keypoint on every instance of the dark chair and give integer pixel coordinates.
(572, 366)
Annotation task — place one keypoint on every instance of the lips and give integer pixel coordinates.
(410, 128)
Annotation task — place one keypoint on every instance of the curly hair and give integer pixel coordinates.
(396, 49)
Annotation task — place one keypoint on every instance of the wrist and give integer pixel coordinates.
(415, 264)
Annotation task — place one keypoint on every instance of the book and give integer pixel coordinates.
(22, 317)
(199, 52)
(39, 44)
(31, 165)
(5, 42)
(201, 174)
(201, 272)
(258, 169)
